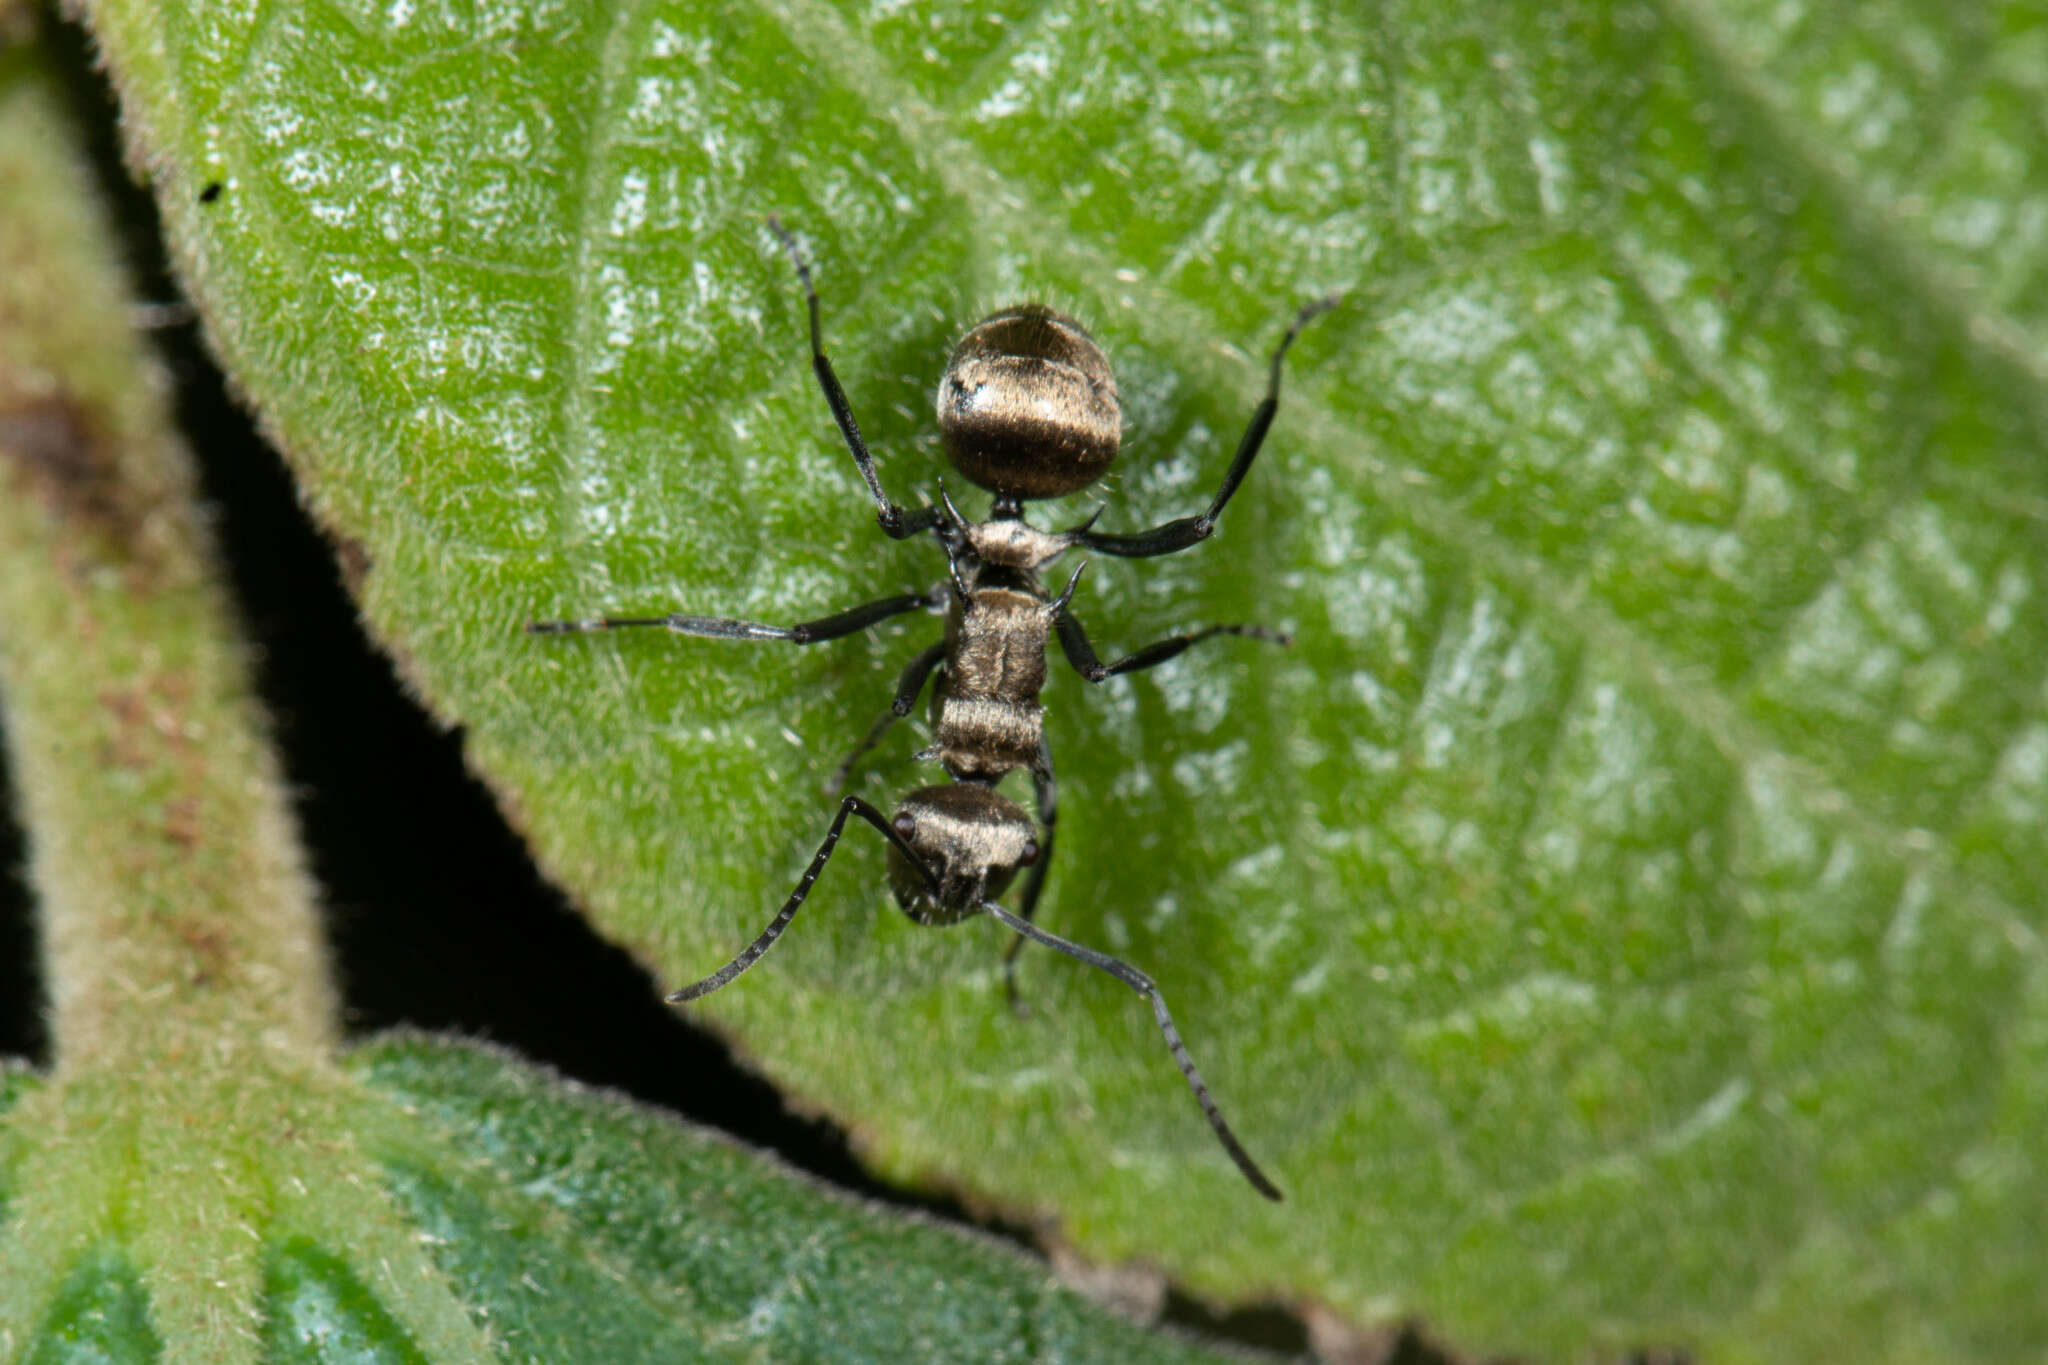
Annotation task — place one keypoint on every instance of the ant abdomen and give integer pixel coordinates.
(1028, 407)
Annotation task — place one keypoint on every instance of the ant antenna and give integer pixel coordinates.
(751, 954)
(1144, 986)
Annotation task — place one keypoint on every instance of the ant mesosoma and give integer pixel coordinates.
(1027, 409)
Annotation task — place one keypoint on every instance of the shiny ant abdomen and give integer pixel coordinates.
(1028, 409)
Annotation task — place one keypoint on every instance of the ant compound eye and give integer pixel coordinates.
(903, 824)
(1030, 853)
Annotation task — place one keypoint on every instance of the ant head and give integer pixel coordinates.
(1027, 406)
(971, 840)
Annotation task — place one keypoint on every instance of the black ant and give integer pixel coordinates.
(1028, 409)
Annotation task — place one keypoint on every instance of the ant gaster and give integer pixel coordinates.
(1027, 409)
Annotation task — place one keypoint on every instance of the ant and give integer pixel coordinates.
(1028, 409)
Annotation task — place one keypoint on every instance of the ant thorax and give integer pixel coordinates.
(985, 716)
(1013, 543)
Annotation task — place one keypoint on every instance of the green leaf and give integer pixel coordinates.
(567, 1196)
(580, 1227)
(1614, 920)
(192, 1112)
(100, 1314)
(196, 1179)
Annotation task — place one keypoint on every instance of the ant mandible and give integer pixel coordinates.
(1028, 409)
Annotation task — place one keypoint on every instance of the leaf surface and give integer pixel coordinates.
(1614, 920)
(197, 1180)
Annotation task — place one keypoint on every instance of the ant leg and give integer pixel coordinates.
(726, 628)
(751, 954)
(1048, 820)
(1143, 985)
(907, 689)
(896, 523)
(1179, 534)
(1081, 654)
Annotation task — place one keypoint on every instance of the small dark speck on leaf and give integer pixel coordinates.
(211, 192)
(355, 562)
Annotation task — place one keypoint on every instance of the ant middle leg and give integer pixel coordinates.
(908, 687)
(1081, 654)
(831, 627)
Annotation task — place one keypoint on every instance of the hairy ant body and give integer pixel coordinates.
(1028, 408)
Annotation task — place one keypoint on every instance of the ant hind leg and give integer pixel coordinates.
(1172, 536)
(896, 523)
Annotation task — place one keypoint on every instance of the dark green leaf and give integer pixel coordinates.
(566, 1201)
(99, 1317)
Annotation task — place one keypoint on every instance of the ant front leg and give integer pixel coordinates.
(908, 687)
(896, 523)
(726, 628)
(1179, 534)
(1047, 790)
